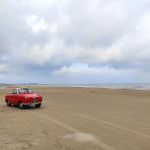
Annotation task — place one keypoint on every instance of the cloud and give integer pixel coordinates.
(94, 74)
(72, 40)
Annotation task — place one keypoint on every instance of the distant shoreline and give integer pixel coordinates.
(137, 86)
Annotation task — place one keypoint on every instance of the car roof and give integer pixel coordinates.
(20, 88)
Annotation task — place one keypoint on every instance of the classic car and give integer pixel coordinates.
(23, 97)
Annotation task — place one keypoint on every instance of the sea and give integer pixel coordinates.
(134, 86)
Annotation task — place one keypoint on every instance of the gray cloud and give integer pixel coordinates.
(72, 40)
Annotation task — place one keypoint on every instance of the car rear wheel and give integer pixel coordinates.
(20, 105)
(38, 105)
(8, 103)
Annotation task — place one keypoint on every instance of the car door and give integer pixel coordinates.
(14, 96)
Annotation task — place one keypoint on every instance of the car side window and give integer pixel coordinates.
(15, 91)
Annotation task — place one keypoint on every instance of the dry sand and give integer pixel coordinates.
(78, 119)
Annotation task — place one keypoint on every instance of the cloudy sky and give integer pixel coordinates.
(74, 41)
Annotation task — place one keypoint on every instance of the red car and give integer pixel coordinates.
(22, 97)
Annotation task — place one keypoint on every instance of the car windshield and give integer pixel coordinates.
(25, 90)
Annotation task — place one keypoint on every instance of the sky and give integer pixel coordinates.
(74, 41)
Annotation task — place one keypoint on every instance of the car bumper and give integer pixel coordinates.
(27, 104)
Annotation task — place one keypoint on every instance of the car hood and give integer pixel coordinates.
(31, 95)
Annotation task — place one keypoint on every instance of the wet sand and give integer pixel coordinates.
(78, 119)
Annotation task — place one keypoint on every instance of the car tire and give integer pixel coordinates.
(8, 103)
(38, 105)
(20, 105)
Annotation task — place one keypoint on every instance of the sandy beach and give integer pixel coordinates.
(78, 119)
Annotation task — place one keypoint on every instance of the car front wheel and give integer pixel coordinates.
(20, 105)
(37, 105)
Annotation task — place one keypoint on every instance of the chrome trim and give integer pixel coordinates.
(34, 99)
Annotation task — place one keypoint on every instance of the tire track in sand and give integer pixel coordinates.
(74, 130)
(112, 125)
